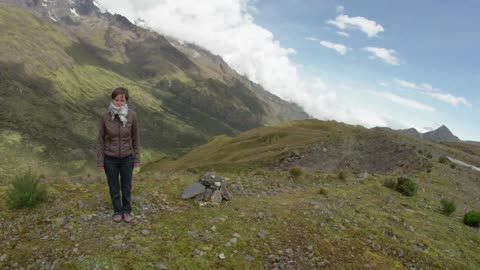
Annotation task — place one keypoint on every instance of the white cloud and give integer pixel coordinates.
(448, 98)
(341, 49)
(429, 90)
(369, 27)
(404, 101)
(385, 54)
(383, 84)
(226, 28)
(406, 84)
(343, 34)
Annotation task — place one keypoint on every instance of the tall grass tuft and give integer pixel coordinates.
(472, 218)
(296, 171)
(26, 191)
(406, 186)
(448, 206)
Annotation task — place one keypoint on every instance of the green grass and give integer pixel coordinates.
(26, 191)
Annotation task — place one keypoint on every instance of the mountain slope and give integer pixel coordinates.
(327, 217)
(441, 134)
(324, 145)
(59, 66)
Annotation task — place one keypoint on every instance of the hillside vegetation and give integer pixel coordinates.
(56, 78)
(329, 214)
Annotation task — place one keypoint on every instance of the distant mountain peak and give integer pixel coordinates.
(440, 134)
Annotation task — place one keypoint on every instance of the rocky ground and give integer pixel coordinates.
(317, 221)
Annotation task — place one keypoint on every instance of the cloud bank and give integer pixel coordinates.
(369, 27)
(388, 56)
(226, 28)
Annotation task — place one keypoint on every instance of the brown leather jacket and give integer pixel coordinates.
(115, 140)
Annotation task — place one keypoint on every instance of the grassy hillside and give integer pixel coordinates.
(55, 81)
(328, 146)
(327, 217)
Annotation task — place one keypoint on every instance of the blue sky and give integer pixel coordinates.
(376, 63)
(435, 44)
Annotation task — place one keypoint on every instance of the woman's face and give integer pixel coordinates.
(119, 100)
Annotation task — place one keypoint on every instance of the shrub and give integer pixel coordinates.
(429, 170)
(429, 155)
(472, 218)
(448, 207)
(296, 171)
(390, 183)
(406, 186)
(26, 191)
(443, 159)
(342, 175)
(259, 172)
(323, 191)
(453, 165)
(420, 151)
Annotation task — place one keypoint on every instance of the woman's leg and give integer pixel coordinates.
(112, 169)
(126, 174)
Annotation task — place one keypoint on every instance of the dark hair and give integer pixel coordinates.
(120, 91)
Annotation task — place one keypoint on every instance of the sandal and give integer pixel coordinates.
(127, 218)
(117, 218)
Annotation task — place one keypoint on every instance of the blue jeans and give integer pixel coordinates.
(123, 167)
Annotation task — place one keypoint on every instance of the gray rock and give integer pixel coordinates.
(237, 235)
(363, 176)
(225, 193)
(81, 204)
(4, 257)
(248, 257)
(145, 232)
(228, 244)
(161, 266)
(193, 190)
(262, 233)
(207, 195)
(221, 256)
(233, 240)
(217, 196)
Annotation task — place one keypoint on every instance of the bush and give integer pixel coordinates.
(429, 170)
(443, 159)
(472, 218)
(429, 155)
(296, 171)
(26, 191)
(342, 175)
(406, 186)
(448, 207)
(259, 172)
(390, 183)
(323, 191)
(453, 165)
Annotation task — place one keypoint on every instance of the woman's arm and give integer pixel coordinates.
(136, 141)
(101, 143)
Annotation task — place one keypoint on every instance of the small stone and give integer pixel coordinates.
(248, 257)
(228, 244)
(161, 266)
(213, 228)
(237, 235)
(233, 240)
(4, 257)
(262, 233)
(75, 250)
(81, 204)
(221, 256)
(145, 232)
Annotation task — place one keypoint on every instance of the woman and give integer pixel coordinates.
(118, 152)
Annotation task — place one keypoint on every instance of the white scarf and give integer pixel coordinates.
(122, 112)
